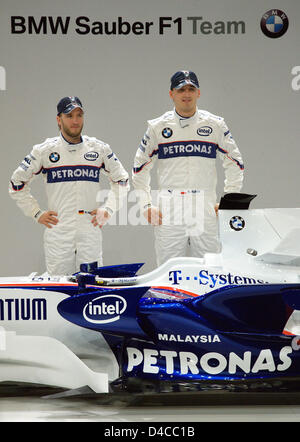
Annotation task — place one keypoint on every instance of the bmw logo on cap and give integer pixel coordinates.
(237, 223)
(167, 132)
(54, 157)
(274, 23)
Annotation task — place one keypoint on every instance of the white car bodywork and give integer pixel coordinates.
(38, 346)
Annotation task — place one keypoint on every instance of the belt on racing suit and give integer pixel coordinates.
(182, 192)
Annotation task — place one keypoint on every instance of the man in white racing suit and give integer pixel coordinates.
(71, 166)
(184, 144)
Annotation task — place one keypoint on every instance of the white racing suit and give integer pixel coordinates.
(185, 150)
(71, 173)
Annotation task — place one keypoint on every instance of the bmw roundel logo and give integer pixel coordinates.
(237, 223)
(167, 132)
(54, 157)
(274, 23)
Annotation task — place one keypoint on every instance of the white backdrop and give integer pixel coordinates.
(123, 80)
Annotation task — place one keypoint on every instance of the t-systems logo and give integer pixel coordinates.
(104, 309)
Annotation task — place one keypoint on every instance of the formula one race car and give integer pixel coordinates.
(229, 319)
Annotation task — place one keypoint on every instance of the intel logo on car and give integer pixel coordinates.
(104, 309)
(204, 131)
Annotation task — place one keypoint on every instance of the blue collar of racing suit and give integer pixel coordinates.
(186, 121)
(71, 146)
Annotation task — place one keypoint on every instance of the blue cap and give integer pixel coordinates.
(67, 104)
(181, 78)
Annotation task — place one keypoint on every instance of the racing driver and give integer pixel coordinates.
(71, 165)
(184, 143)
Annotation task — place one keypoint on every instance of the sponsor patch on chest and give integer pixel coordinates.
(187, 148)
(72, 173)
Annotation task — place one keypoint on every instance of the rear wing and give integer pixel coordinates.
(271, 235)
